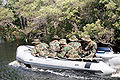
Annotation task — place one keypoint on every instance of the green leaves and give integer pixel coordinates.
(94, 29)
(62, 17)
(6, 14)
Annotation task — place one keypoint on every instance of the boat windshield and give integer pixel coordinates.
(106, 49)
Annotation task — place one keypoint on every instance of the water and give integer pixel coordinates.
(7, 55)
(2, 40)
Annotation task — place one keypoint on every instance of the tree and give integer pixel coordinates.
(45, 18)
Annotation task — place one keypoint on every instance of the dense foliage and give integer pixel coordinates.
(29, 19)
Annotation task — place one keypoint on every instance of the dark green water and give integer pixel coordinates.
(7, 55)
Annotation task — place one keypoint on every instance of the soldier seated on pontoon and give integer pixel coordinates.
(89, 47)
(40, 49)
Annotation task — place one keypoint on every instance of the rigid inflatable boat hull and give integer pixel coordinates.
(24, 56)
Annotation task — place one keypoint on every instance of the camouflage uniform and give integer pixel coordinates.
(54, 46)
(64, 51)
(34, 51)
(75, 51)
(72, 54)
(89, 47)
(43, 49)
(64, 48)
(40, 49)
(75, 45)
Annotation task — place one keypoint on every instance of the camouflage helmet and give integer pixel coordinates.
(62, 41)
(86, 38)
(36, 41)
(56, 37)
(73, 38)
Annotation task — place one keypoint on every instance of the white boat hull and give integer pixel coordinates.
(111, 59)
(24, 56)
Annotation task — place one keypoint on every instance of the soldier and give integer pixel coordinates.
(54, 46)
(64, 48)
(76, 50)
(89, 47)
(35, 49)
(74, 42)
(40, 49)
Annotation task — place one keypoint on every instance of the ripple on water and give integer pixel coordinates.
(57, 74)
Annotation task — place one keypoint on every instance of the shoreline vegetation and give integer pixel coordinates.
(24, 20)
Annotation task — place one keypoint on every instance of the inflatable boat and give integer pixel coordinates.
(24, 55)
(109, 57)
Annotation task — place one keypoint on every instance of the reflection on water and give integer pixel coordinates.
(7, 55)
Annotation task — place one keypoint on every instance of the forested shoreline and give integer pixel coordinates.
(24, 20)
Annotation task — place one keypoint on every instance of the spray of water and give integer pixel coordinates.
(59, 72)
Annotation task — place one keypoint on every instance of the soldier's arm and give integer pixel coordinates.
(34, 51)
(94, 47)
